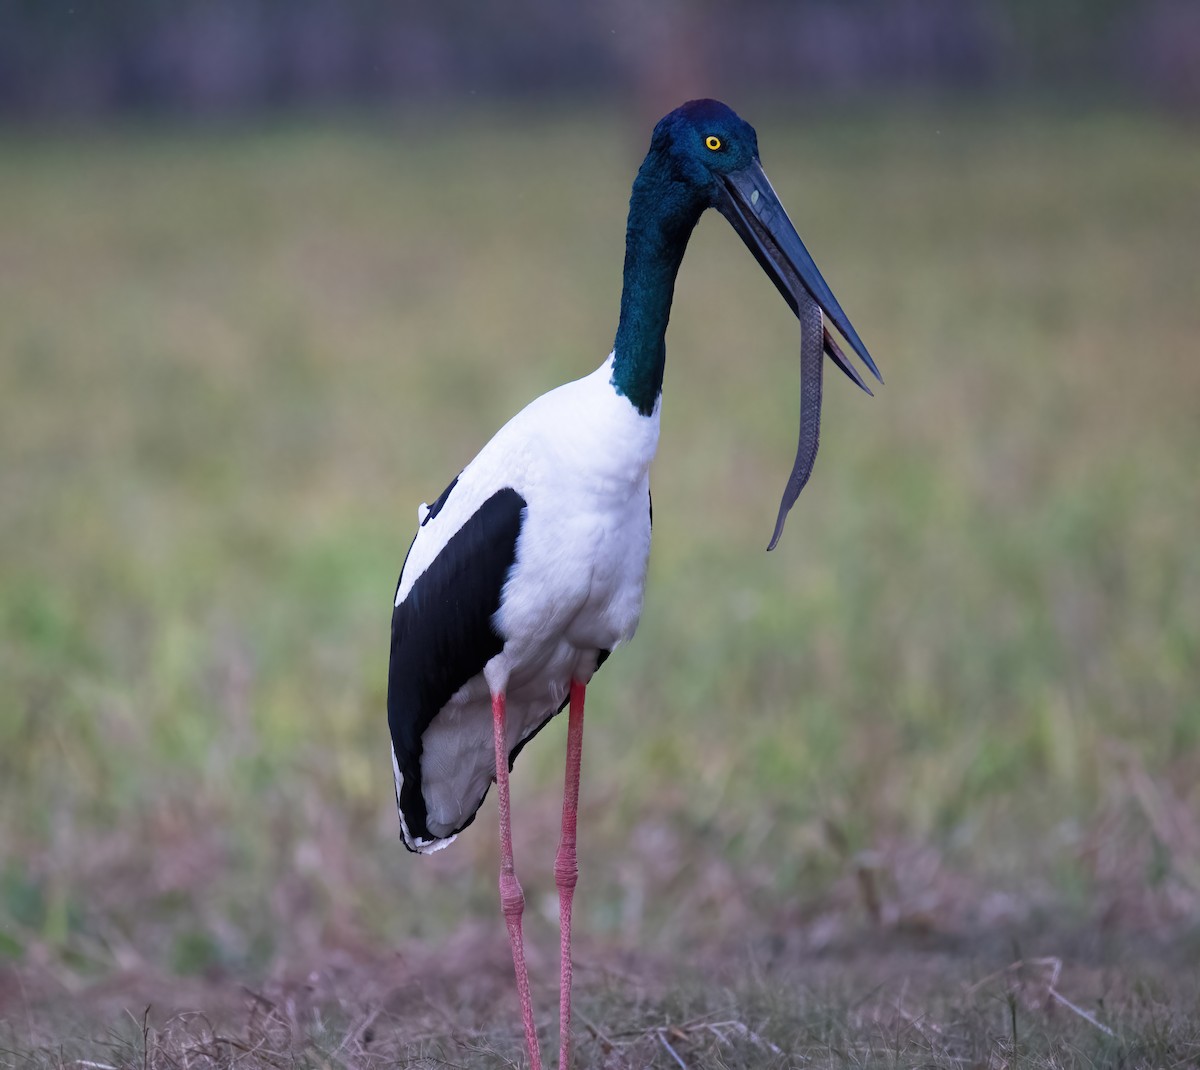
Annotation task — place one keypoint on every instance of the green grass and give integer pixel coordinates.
(962, 700)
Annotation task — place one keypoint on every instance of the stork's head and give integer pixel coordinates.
(706, 156)
(705, 140)
(709, 148)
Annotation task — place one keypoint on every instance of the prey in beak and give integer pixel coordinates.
(745, 197)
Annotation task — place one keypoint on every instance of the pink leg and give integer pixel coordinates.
(566, 869)
(512, 899)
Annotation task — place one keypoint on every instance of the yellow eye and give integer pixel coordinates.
(713, 142)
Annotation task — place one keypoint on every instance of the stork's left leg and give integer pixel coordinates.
(566, 869)
(512, 899)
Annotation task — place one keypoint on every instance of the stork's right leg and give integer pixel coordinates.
(512, 899)
(566, 870)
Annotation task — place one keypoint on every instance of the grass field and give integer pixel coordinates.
(922, 787)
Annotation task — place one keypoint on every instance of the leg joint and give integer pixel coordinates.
(512, 898)
(566, 870)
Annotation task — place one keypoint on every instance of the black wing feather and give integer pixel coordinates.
(442, 633)
(436, 507)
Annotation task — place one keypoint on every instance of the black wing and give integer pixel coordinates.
(442, 634)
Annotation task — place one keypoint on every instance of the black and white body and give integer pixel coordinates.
(525, 575)
(530, 568)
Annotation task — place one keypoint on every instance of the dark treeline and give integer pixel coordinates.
(92, 57)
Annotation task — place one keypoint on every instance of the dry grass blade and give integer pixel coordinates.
(1013, 970)
(661, 1034)
(607, 1044)
(1051, 967)
(746, 1032)
(1085, 1015)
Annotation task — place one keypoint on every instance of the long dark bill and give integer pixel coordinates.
(752, 207)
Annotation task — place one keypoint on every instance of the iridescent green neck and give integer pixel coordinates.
(663, 210)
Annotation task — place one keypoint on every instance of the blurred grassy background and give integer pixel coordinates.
(964, 694)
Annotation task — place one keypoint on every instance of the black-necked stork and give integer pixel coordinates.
(529, 568)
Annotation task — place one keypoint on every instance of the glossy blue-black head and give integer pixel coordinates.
(704, 140)
(704, 155)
